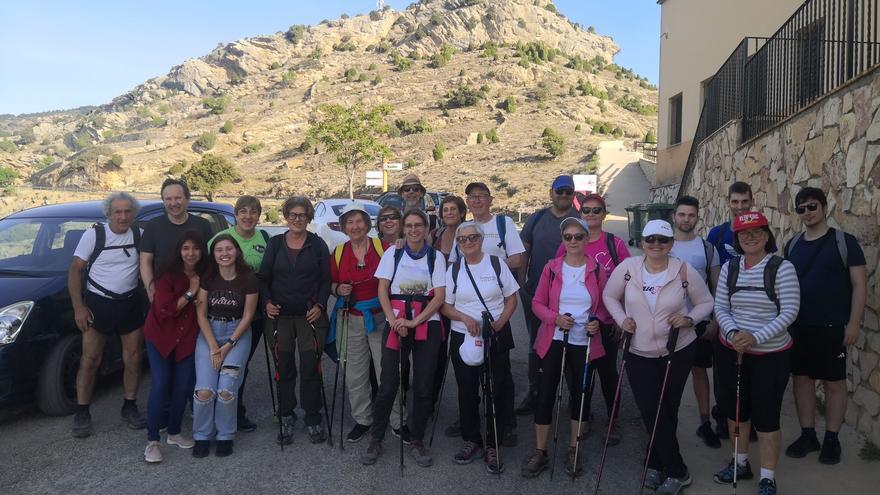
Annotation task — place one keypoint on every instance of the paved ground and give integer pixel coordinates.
(41, 457)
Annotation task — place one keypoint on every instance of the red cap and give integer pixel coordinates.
(594, 197)
(750, 220)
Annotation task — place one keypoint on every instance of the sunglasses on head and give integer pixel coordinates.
(388, 218)
(564, 191)
(809, 206)
(596, 210)
(407, 189)
(573, 237)
(468, 238)
(657, 239)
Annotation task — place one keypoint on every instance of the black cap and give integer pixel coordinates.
(477, 185)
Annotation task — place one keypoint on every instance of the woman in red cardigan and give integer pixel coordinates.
(170, 333)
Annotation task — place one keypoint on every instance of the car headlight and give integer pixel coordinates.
(12, 318)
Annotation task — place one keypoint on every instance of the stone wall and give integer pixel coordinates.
(664, 194)
(835, 145)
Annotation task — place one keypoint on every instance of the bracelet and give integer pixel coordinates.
(727, 335)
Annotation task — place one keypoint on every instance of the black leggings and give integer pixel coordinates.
(548, 381)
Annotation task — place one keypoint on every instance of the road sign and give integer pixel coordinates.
(393, 166)
(587, 183)
(375, 178)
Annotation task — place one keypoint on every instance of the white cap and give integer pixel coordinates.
(657, 227)
(471, 350)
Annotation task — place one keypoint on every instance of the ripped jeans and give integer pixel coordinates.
(219, 410)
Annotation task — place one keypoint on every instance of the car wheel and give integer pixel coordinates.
(56, 395)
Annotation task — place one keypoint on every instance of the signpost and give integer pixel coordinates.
(375, 178)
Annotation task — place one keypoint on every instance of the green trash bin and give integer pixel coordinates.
(636, 218)
(659, 211)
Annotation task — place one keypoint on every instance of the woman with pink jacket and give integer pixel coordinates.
(566, 300)
(655, 290)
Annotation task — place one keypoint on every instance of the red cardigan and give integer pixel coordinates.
(166, 328)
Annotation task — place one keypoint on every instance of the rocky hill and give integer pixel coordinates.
(517, 66)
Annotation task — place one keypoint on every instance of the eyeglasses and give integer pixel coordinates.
(414, 226)
(597, 210)
(564, 191)
(462, 239)
(657, 239)
(407, 189)
(297, 216)
(388, 218)
(751, 233)
(809, 206)
(573, 237)
(478, 197)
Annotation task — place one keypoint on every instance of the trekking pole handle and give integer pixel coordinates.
(672, 341)
(566, 330)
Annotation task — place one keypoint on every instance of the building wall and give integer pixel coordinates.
(835, 145)
(696, 37)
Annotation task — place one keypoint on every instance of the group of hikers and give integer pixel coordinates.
(424, 293)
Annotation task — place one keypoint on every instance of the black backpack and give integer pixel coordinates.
(612, 248)
(770, 271)
(496, 266)
(101, 246)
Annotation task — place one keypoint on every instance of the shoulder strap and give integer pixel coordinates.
(265, 235)
(770, 271)
(842, 248)
(732, 278)
(377, 245)
(683, 275)
(456, 267)
(710, 255)
(477, 290)
(136, 237)
(790, 246)
(432, 259)
(337, 253)
(501, 226)
(100, 241)
(398, 255)
(496, 265)
(612, 248)
(534, 223)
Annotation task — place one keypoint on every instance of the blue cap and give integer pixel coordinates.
(563, 181)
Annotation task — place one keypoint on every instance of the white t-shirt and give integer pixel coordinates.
(575, 299)
(465, 297)
(651, 285)
(694, 254)
(512, 242)
(413, 277)
(114, 269)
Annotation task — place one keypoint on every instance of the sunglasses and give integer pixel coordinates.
(564, 191)
(388, 218)
(573, 237)
(657, 239)
(809, 206)
(597, 210)
(462, 239)
(407, 189)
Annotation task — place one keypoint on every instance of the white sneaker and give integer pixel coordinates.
(152, 453)
(180, 440)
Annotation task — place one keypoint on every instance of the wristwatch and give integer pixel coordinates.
(189, 296)
(690, 321)
(232, 342)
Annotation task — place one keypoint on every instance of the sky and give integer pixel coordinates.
(59, 54)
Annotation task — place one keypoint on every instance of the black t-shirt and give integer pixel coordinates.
(826, 293)
(161, 236)
(226, 297)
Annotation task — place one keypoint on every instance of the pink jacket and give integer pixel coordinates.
(545, 304)
(652, 329)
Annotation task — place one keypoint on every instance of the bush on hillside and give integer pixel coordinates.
(272, 215)
(8, 146)
(633, 104)
(650, 137)
(553, 143)
(438, 151)
(206, 141)
(463, 96)
(116, 159)
(492, 136)
(216, 105)
(402, 63)
(295, 33)
(253, 148)
(227, 127)
(7, 176)
(350, 75)
(288, 77)
(406, 127)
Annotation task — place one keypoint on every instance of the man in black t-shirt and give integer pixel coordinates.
(833, 279)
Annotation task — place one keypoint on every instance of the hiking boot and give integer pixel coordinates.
(223, 448)
(803, 446)
(767, 487)
(527, 406)
(201, 448)
(709, 437)
(535, 464)
(743, 472)
(404, 433)
(420, 454)
(574, 467)
(493, 463)
(467, 454)
(133, 416)
(285, 437)
(830, 452)
(180, 440)
(357, 433)
(653, 479)
(453, 430)
(245, 424)
(673, 486)
(82, 424)
(316, 434)
(374, 450)
(152, 454)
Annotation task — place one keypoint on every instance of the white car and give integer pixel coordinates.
(326, 221)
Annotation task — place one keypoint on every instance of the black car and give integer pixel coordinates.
(40, 346)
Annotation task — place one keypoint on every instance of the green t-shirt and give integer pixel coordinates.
(252, 248)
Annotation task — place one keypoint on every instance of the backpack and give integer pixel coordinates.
(101, 246)
(770, 271)
(839, 237)
(377, 245)
(501, 226)
(432, 258)
(496, 266)
(265, 235)
(709, 251)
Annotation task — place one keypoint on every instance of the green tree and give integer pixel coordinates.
(352, 135)
(209, 174)
(553, 143)
(295, 33)
(650, 137)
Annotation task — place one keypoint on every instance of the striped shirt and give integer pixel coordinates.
(752, 311)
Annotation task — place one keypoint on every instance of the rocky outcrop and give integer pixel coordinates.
(196, 77)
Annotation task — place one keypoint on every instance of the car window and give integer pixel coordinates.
(67, 232)
(216, 220)
(39, 245)
(319, 210)
(18, 239)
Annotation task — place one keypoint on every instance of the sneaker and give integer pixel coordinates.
(406, 438)
(223, 449)
(285, 436)
(180, 440)
(467, 454)
(574, 467)
(133, 417)
(82, 424)
(357, 433)
(420, 454)
(535, 464)
(316, 434)
(245, 424)
(614, 435)
(767, 487)
(527, 406)
(453, 430)
(743, 472)
(673, 486)
(709, 437)
(493, 463)
(201, 448)
(830, 453)
(803, 446)
(653, 479)
(152, 453)
(374, 450)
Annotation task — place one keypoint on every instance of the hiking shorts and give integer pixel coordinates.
(764, 379)
(117, 316)
(818, 352)
(704, 348)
